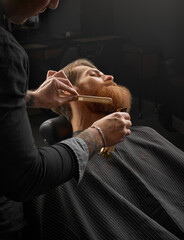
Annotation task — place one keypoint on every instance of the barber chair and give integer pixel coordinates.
(55, 129)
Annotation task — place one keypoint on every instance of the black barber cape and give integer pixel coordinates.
(136, 194)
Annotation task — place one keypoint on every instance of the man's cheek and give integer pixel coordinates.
(88, 90)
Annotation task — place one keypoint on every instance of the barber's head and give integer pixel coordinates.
(18, 11)
(88, 80)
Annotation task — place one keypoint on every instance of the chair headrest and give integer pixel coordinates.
(56, 129)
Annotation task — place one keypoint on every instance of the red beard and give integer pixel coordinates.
(121, 97)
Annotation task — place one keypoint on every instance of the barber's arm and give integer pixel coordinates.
(25, 171)
(28, 172)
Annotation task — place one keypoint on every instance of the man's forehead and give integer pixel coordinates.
(83, 69)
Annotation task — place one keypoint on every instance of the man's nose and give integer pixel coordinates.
(108, 77)
(53, 4)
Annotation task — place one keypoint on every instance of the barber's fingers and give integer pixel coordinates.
(64, 85)
(62, 82)
(66, 99)
(61, 76)
(126, 123)
(124, 116)
(127, 132)
(50, 73)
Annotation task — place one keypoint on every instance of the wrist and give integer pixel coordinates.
(29, 99)
(32, 99)
(101, 134)
(93, 140)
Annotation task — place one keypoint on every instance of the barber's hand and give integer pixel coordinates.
(114, 127)
(46, 96)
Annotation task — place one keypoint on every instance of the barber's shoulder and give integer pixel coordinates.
(7, 40)
(10, 47)
(4, 35)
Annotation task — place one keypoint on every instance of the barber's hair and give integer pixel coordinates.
(73, 75)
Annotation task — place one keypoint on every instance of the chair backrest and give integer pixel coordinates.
(56, 129)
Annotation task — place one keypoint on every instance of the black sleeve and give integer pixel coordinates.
(26, 171)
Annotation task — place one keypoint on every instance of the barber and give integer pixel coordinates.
(25, 171)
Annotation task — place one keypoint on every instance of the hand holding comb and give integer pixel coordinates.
(87, 98)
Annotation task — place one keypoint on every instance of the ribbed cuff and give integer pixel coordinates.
(80, 149)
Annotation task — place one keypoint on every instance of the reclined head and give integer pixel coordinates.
(87, 79)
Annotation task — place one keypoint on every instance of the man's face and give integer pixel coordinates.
(93, 82)
(18, 11)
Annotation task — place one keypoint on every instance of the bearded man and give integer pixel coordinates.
(135, 193)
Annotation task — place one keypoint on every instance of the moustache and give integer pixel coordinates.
(109, 83)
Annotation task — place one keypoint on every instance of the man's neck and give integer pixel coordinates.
(83, 117)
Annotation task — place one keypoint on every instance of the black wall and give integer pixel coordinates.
(152, 23)
(145, 22)
(97, 17)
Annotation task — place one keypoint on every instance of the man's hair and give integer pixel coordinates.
(73, 75)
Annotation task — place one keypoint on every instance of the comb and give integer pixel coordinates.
(87, 98)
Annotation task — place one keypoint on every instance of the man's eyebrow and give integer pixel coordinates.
(94, 70)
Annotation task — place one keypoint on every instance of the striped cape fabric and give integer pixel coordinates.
(136, 194)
